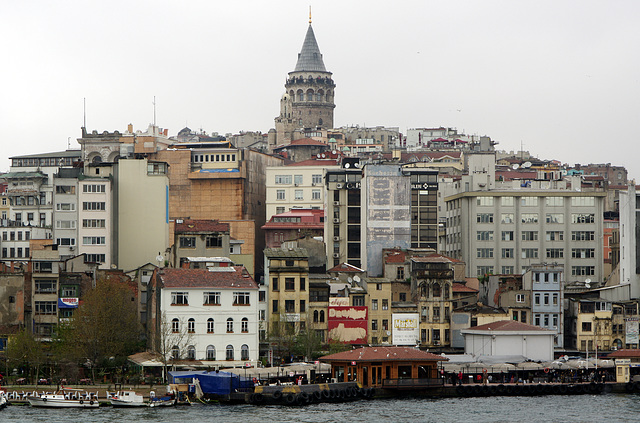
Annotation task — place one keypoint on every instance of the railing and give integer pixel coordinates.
(412, 383)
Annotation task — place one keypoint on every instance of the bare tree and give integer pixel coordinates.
(172, 342)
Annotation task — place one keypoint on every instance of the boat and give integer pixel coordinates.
(64, 398)
(168, 400)
(3, 399)
(128, 399)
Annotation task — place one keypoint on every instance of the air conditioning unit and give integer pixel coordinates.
(295, 185)
(72, 248)
(336, 220)
(339, 186)
(436, 342)
(336, 238)
(336, 203)
(313, 184)
(336, 255)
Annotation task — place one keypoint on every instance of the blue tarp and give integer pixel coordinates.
(213, 383)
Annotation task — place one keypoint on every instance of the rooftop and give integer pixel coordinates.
(509, 326)
(188, 225)
(202, 278)
(345, 267)
(384, 354)
(300, 253)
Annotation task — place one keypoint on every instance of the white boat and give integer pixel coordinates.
(64, 398)
(128, 399)
(166, 401)
(3, 400)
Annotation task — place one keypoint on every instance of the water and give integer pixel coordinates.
(558, 408)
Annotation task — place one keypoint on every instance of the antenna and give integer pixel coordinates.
(84, 111)
(309, 14)
(154, 110)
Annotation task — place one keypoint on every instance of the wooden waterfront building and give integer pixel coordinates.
(386, 367)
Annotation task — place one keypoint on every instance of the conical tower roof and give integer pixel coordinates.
(310, 58)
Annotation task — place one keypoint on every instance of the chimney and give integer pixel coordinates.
(130, 128)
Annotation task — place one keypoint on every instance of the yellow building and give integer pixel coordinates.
(379, 301)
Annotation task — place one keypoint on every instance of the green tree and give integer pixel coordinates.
(308, 343)
(25, 351)
(104, 327)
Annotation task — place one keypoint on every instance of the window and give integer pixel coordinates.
(546, 320)
(555, 299)
(555, 218)
(586, 326)
(374, 324)
(156, 168)
(484, 270)
(400, 272)
(508, 270)
(229, 354)
(279, 210)
(536, 320)
(210, 325)
(484, 252)
(289, 306)
(582, 235)
(298, 194)
(583, 201)
(46, 286)
(175, 325)
(274, 307)
(583, 270)
(303, 284)
(529, 235)
(506, 218)
(63, 207)
(507, 253)
(244, 352)
(93, 240)
(229, 325)
(316, 179)
(529, 217)
(402, 296)
(555, 236)
(214, 241)
(385, 324)
(554, 201)
(191, 326)
(93, 223)
(241, 298)
(507, 201)
(321, 316)
(582, 218)
(583, 253)
(507, 236)
(374, 304)
(555, 253)
(93, 205)
(315, 194)
(529, 253)
(244, 325)
(175, 352)
(211, 353)
(46, 307)
(280, 194)
(274, 284)
(63, 224)
(484, 201)
(536, 299)
(179, 298)
(484, 218)
(546, 299)
(555, 320)
(211, 298)
(262, 296)
(303, 306)
(289, 284)
(529, 201)
(94, 258)
(385, 304)
(187, 242)
(484, 235)
(93, 188)
(523, 316)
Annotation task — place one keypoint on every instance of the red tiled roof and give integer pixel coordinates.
(384, 354)
(509, 326)
(460, 287)
(202, 225)
(303, 141)
(629, 353)
(396, 257)
(203, 278)
(345, 267)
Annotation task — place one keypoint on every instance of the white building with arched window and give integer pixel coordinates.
(212, 315)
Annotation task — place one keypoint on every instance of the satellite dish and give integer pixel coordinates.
(587, 283)
(346, 166)
(356, 164)
(323, 155)
(349, 279)
(159, 259)
(318, 155)
(334, 152)
(356, 278)
(526, 164)
(388, 333)
(515, 166)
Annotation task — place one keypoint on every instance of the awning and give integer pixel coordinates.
(67, 303)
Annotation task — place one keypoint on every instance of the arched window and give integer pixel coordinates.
(309, 95)
(175, 326)
(229, 325)
(328, 98)
(300, 95)
(315, 316)
(175, 352)
(191, 352)
(320, 121)
(292, 95)
(436, 290)
(244, 352)
(211, 352)
(321, 316)
(191, 325)
(245, 325)
(210, 325)
(229, 352)
(318, 97)
(446, 291)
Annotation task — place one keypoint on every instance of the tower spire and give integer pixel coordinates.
(309, 14)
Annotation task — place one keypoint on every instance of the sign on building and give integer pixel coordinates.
(405, 329)
(631, 331)
(348, 324)
(338, 301)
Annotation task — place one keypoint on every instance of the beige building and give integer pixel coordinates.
(298, 185)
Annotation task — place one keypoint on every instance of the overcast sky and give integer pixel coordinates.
(560, 77)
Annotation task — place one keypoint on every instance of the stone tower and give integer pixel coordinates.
(308, 100)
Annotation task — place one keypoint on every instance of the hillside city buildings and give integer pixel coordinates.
(239, 245)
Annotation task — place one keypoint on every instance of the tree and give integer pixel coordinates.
(308, 343)
(25, 351)
(172, 342)
(104, 327)
(282, 334)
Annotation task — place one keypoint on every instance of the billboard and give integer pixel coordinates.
(631, 331)
(348, 324)
(405, 328)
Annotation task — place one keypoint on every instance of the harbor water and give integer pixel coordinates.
(556, 408)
